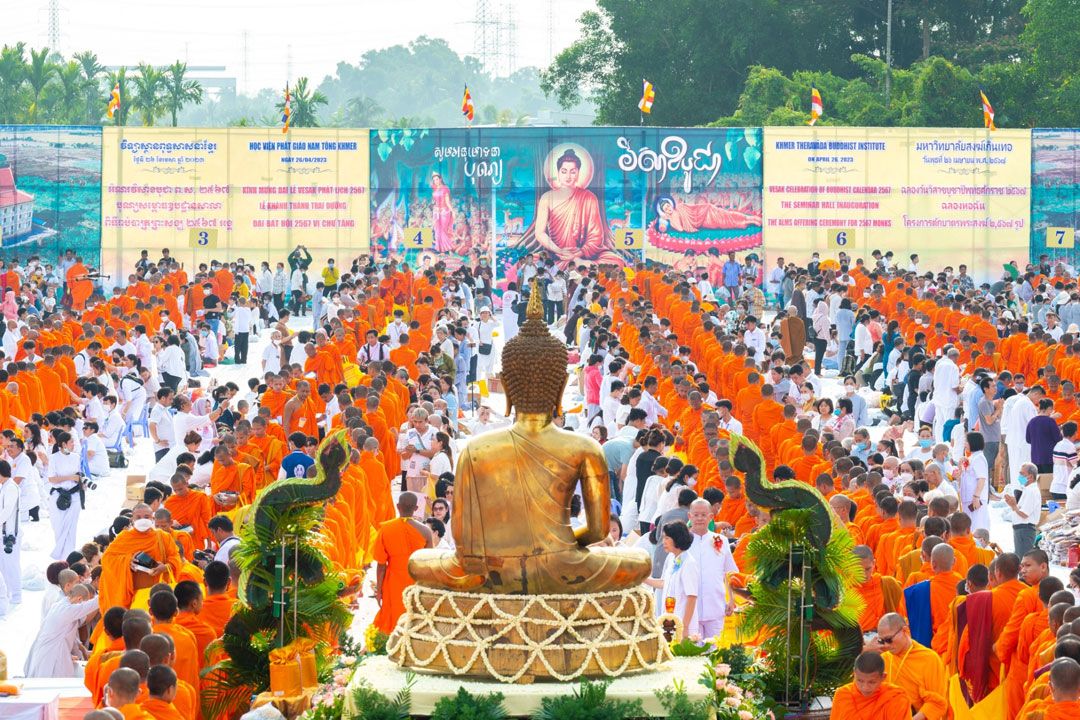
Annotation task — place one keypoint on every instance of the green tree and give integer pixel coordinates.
(179, 91)
(148, 100)
(118, 78)
(91, 71)
(12, 75)
(363, 112)
(68, 95)
(39, 71)
(304, 104)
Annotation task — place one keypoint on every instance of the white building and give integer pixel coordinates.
(16, 207)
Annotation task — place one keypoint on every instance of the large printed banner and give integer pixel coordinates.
(223, 194)
(1055, 194)
(580, 195)
(952, 196)
(50, 192)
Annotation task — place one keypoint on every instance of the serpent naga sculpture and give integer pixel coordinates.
(800, 516)
(256, 584)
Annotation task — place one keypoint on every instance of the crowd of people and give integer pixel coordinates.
(913, 401)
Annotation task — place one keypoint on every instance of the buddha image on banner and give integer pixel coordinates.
(569, 225)
(704, 197)
(431, 195)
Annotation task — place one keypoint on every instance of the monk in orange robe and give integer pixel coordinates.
(229, 476)
(118, 581)
(964, 544)
(804, 465)
(378, 482)
(190, 508)
(217, 606)
(942, 593)
(110, 644)
(869, 696)
(1030, 627)
(395, 542)
(162, 611)
(78, 285)
(881, 595)
(1033, 567)
(189, 598)
(733, 507)
(160, 650)
(123, 694)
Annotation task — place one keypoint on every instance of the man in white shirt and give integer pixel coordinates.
(727, 420)
(27, 479)
(946, 390)
(754, 339)
(97, 458)
(652, 407)
(242, 317)
(1065, 461)
(113, 426)
(10, 562)
(609, 406)
(395, 329)
(372, 350)
(171, 363)
(1026, 510)
(414, 446)
(864, 342)
(775, 282)
(122, 344)
(713, 555)
(160, 423)
(1016, 413)
(144, 350)
(271, 358)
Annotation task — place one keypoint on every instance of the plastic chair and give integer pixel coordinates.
(143, 423)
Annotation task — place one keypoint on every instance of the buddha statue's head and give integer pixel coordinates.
(534, 364)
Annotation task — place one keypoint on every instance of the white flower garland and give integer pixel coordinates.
(419, 624)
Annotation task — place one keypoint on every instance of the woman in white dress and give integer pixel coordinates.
(681, 579)
(510, 298)
(441, 462)
(975, 483)
(64, 478)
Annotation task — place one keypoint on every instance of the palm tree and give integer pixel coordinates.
(363, 112)
(115, 78)
(12, 74)
(148, 93)
(178, 91)
(91, 70)
(304, 103)
(70, 91)
(38, 74)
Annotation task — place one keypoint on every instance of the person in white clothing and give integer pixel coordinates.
(946, 394)
(754, 339)
(1065, 461)
(715, 562)
(681, 580)
(112, 427)
(160, 423)
(65, 494)
(10, 552)
(1025, 512)
(51, 653)
(97, 457)
(133, 395)
(727, 420)
(1016, 413)
(486, 328)
(184, 421)
(26, 477)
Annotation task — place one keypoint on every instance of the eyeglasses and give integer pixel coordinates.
(888, 640)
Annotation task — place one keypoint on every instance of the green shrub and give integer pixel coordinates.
(465, 706)
(589, 702)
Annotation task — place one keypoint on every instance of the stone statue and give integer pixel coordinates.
(511, 515)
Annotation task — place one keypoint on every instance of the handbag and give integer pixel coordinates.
(485, 348)
(117, 459)
(63, 496)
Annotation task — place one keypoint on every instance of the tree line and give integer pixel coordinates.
(753, 62)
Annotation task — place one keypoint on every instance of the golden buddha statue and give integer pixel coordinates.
(511, 514)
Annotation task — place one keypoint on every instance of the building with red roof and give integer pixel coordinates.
(16, 207)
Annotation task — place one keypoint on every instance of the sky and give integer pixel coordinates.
(321, 33)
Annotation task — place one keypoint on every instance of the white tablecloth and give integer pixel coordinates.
(39, 698)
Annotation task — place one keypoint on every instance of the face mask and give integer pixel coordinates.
(143, 525)
(849, 389)
(979, 543)
(925, 442)
(861, 446)
(906, 477)
(1022, 479)
(836, 412)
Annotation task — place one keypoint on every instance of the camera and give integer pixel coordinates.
(144, 559)
(9, 543)
(203, 556)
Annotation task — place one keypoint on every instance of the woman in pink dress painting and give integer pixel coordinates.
(442, 215)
